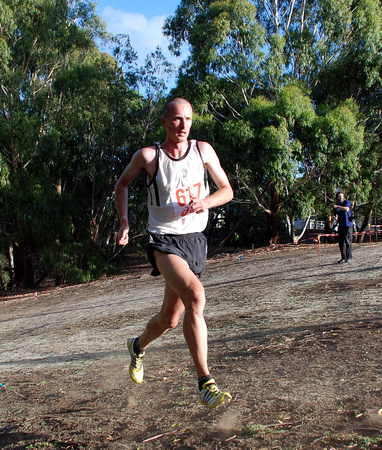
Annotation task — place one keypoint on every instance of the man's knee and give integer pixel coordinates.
(195, 299)
(169, 321)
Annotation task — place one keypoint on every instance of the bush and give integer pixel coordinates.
(4, 272)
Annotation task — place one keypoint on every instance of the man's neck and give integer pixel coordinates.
(175, 149)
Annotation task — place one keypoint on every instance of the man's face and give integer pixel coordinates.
(178, 122)
(341, 197)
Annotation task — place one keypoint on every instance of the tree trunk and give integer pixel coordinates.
(364, 225)
(295, 238)
(19, 265)
(273, 219)
(12, 264)
(230, 233)
(274, 227)
(29, 272)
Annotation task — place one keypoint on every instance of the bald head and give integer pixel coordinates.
(169, 105)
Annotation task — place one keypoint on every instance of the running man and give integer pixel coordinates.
(178, 204)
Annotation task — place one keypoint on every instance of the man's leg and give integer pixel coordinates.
(183, 292)
(167, 318)
(341, 242)
(349, 243)
(184, 284)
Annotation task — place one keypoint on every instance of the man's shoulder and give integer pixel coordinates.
(203, 144)
(206, 149)
(150, 150)
(147, 154)
(143, 159)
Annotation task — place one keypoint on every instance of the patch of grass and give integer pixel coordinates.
(258, 430)
(57, 445)
(358, 442)
(39, 445)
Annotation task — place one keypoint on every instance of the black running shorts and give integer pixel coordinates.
(191, 247)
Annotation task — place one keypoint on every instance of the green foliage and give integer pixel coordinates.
(4, 272)
(289, 94)
(4, 172)
(285, 144)
(7, 23)
(295, 93)
(63, 131)
(275, 62)
(203, 128)
(342, 142)
(73, 266)
(225, 43)
(71, 119)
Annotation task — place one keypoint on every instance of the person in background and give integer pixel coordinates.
(342, 209)
(178, 204)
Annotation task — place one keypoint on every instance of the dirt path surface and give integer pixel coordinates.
(295, 337)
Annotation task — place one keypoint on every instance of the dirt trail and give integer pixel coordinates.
(293, 335)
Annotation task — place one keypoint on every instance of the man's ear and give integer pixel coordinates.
(163, 121)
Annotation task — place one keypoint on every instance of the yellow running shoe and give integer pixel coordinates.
(212, 396)
(136, 365)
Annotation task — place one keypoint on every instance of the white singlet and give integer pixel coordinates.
(170, 189)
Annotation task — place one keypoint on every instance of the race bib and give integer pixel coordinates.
(181, 199)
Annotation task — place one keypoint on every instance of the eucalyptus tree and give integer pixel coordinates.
(91, 127)
(225, 42)
(70, 120)
(42, 42)
(253, 52)
(285, 152)
(356, 74)
(149, 82)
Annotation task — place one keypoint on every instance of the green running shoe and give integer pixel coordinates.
(136, 365)
(212, 396)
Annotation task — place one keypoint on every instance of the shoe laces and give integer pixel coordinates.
(137, 361)
(212, 387)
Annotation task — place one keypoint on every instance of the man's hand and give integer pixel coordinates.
(197, 205)
(123, 235)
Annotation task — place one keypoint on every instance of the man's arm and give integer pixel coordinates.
(224, 193)
(138, 163)
(342, 208)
